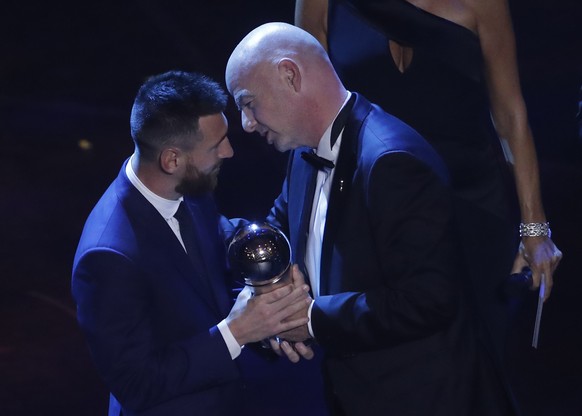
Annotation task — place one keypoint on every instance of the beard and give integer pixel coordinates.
(197, 183)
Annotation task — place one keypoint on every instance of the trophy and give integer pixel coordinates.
(260, 255)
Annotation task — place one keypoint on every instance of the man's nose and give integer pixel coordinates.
(249, 124)
(226, 150)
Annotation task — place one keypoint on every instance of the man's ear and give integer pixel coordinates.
(169, 160)
(289, 73)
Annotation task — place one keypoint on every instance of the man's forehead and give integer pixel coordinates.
(216, 121)
(248, 80)
(213, 128)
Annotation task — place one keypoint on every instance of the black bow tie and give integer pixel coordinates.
(317, 162)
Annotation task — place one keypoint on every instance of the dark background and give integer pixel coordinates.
(68, 75)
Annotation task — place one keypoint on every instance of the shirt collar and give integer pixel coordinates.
(166, 207)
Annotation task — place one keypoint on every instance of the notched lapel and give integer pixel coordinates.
(195, 266)
(212, 260)
(161, 249)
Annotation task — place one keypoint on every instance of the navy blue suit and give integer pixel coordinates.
(148, 315)
(389, 315)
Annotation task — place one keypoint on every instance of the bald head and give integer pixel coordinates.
(284, 84)
(272, 42)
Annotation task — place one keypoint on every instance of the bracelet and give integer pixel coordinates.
(535, 229)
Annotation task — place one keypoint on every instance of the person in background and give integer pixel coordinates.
(149, 274)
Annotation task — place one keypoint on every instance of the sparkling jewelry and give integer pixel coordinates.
(535, 229)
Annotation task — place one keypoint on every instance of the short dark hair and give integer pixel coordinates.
(167, 108)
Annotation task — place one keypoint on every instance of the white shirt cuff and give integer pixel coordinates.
(229, 339)
(309, 316)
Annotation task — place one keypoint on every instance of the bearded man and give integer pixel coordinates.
(149, 275)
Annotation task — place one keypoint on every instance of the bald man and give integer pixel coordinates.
(367, 209)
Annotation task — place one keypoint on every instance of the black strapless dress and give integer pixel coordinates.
(442, 94)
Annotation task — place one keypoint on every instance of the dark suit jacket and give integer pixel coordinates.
(388, 314)
(148, 314)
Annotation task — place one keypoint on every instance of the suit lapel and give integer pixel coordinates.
(158, 240)
(340, 188)
(202, 257)
(211, 257)
(300, 205)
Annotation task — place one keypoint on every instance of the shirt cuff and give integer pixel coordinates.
(229, 339)
(309, 316)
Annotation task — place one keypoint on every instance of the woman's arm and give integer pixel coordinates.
(311, 15)
(509, 115)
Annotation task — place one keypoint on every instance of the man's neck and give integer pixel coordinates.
(151, 176)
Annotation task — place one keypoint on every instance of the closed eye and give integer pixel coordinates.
(243, 101)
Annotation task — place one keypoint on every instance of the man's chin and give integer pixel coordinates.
(279, 145)
(283, 147)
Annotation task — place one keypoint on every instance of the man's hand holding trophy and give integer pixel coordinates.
(260, 255)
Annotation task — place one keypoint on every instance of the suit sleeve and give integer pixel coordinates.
(407, 211)
(114, 311)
